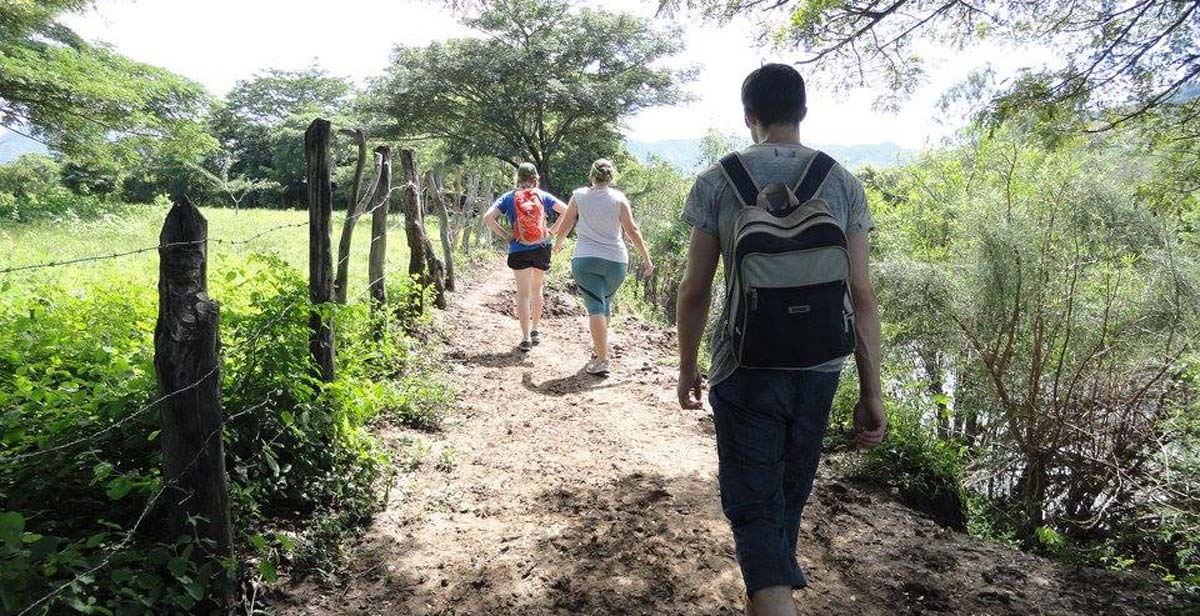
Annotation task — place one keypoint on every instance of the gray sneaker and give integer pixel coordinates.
(597, 367)
(535, 337)
(525, 346)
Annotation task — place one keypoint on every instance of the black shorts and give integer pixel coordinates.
(538, 257)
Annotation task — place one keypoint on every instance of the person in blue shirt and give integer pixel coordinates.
(529, 261)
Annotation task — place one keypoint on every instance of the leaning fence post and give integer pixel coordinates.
(439, 206)
(187, 363)
(422, 262)
(320, 256)
(379, 226)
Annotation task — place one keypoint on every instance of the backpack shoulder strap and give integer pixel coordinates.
(739, 178)
(814, 176)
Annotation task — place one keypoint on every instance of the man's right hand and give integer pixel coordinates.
(690, 388)
(870, 423)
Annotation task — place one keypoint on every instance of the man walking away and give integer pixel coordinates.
(790, 226)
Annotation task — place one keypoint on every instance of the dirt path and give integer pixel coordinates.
(570, 494)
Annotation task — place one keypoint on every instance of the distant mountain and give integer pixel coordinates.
(684, 154)
(13, 145)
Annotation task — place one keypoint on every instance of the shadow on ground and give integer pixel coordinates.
(641, 544)
(571, 384)
(491, 360)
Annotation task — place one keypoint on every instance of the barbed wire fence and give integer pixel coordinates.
(205, 378)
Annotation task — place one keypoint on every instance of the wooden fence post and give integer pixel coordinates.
(469, 213)
(377, 284)
(422, 262)
(320, 257)
(187, 361)
(354, 210)
(439, 206)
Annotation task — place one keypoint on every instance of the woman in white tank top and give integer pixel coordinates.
(601, 258)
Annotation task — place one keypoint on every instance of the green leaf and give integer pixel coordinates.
(286, 542)
(266, 568)
(178, 567)
(118, 488)
(12, 524)
(287, 418)
(258, 542)
(195, 588)
(153, 436)
(271, 462)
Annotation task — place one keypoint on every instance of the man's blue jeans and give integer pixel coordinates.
(769, 429)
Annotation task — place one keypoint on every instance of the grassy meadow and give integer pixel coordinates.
(240, 233)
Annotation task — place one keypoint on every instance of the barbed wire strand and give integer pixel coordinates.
(126, 253)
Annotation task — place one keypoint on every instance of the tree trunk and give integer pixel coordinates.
(353, 211)
(439, 205)
(422, 262)
(187, 362)
(544, 179)
(469, 210)
(1031, 488)
(376, 269)
(320, 258)
(931, 360)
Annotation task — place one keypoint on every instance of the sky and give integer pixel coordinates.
(218, 42)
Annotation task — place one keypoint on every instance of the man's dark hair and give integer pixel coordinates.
(774, 94)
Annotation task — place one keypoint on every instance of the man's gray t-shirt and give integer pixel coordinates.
(711, 206)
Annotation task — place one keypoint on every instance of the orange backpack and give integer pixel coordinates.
(530, 226)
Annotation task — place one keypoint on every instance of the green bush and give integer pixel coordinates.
(927, 471)
(77, 373)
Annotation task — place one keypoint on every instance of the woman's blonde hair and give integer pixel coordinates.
(603, 171)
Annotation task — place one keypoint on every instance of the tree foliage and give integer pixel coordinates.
(261, 124)
(544, 79)
(1118, 60)
(77, 96)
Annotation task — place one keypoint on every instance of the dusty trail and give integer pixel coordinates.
(571, 494)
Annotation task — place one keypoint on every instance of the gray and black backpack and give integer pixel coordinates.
(789, 305)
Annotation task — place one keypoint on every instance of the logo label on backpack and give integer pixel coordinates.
(530, 224)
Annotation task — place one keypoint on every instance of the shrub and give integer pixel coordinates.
(77, 373)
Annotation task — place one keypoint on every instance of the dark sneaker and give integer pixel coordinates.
(535, 337)
(525, 346)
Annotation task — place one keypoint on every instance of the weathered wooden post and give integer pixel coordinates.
(188, 365)
(439, 206)
(422, 262)
(377, 284)
(469, 210)
(354, 210)
(320, 257)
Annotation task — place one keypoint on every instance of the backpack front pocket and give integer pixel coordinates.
(794, 327)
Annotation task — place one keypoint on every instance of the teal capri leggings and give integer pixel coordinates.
(599, 280)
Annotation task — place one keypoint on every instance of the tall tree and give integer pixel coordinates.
(77, 96)
(542, 77)
(262, 121)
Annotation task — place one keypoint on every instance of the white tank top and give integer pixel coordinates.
(599, 226)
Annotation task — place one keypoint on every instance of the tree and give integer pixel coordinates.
(262, 122)
(541, 78)
(237, 187)
(76, 96)
(1119, 60)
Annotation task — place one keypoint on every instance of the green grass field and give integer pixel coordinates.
(283, 233)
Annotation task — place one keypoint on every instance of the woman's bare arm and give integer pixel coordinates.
(566, 223)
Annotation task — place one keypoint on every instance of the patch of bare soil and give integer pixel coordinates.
(571, 494)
